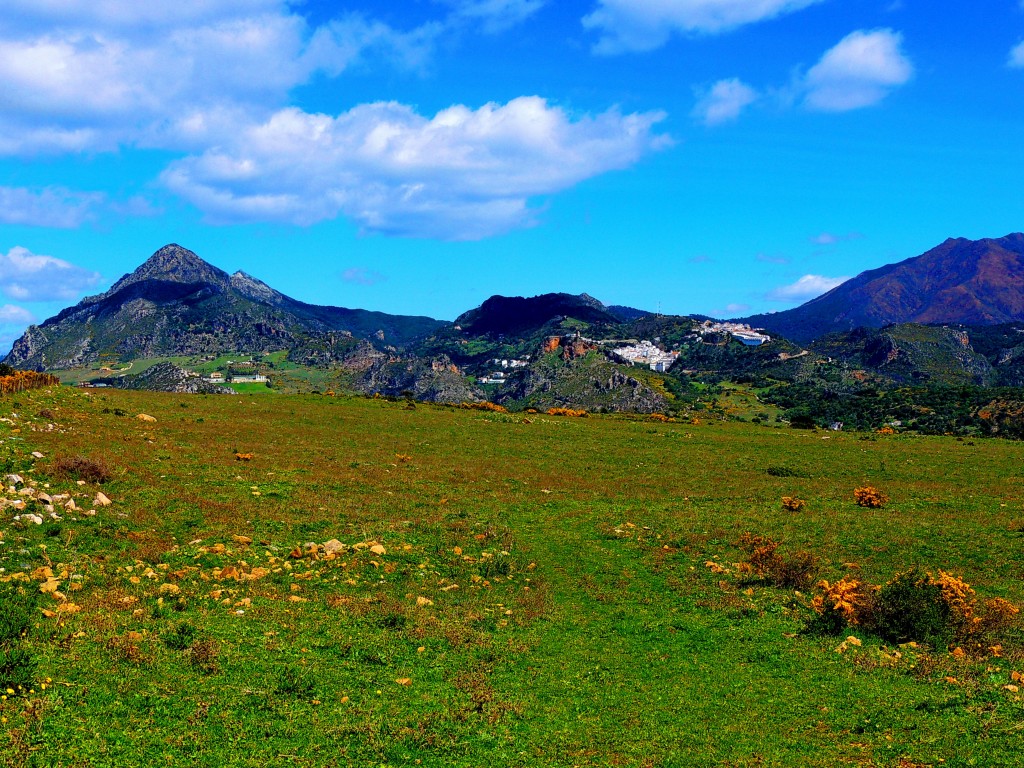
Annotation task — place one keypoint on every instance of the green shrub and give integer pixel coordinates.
(15, 616)
(296, 681)
(912, 608)
(17, 668)
(181, 638)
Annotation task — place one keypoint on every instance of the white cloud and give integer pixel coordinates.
(463, 174)
(494, 15)
(25, 276)
(362, 276)
(50, 207)
(1017, 56)
(642, 25)
(830, 238)
(724, 102)
(129, 14)
(861, 70)
(95, 76)
(9, 313)
(806, 288)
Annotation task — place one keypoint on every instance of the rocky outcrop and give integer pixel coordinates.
(590, 382)
(436, 380)
(167, 377)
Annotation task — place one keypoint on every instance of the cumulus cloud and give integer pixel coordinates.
(724, 101)
(95, 76)
(25, 276)
(50, 207)
(806, 288)
(463, 174)
(859, 71)
(1017, 56)
(642, 25)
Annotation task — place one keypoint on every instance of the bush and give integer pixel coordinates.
(295, 681)
(15, 617)
(578, 412)
(870, 497)
(17, 668)
(841, 604)
(796, 571)
(203, 656)
(82, 468)
(793, 504)
(802, 421)
(912, 607)
(181, 638)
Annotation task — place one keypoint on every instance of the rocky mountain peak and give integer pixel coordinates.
(174, 264)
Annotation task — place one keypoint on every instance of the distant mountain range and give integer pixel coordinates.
(965, 282)
(883, 328)
(178, 304)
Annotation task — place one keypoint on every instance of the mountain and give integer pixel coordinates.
(966, 282)
(518, 316)
(177, 304)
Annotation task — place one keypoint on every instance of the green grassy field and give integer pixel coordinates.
(392, 585)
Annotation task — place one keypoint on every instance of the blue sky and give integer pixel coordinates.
(720, 157)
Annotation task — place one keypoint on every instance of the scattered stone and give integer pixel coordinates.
(14, 479)
(29, 518)
(101, 500)
(44, 498)
(244, 540)
(37, 455)
(423, 602)
(333, 547)
(145, 417)
(378, 549)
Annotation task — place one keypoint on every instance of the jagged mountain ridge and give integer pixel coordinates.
(961, 281)
(177, 304)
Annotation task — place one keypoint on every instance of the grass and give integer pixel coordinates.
(384, 586)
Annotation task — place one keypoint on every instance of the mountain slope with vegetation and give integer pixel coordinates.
(966, 282)
(177, 304)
